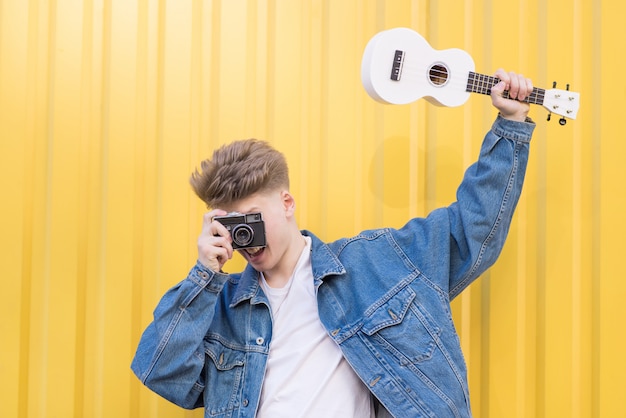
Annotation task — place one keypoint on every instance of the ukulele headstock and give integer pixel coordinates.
(564, 103)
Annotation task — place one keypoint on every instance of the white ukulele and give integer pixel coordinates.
(399, 67)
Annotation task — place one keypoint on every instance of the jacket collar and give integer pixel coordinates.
(323, 262)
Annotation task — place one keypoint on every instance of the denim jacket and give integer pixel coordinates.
(383, 296)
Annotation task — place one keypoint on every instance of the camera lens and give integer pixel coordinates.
(242, 235)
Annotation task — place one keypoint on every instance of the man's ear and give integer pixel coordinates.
(289, 203)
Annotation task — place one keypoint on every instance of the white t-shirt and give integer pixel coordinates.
(306, 374)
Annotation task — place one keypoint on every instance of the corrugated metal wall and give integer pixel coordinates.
(106, 106)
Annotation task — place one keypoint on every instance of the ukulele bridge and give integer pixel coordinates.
(396, 68)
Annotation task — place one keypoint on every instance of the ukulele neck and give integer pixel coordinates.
(480, 83)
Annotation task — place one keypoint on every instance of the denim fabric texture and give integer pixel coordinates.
(383, 296)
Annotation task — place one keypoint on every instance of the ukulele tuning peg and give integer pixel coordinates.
(554, 84)
(567, 87)
(562, 121)
(549, 116)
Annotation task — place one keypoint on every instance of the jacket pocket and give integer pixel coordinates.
(403, 328)
(224, 373)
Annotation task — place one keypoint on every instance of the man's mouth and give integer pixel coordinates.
(254, 251)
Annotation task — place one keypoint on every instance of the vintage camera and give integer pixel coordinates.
(246, 230)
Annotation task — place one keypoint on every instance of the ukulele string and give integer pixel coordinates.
(441, 79)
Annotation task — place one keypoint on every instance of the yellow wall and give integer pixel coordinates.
(106, 106)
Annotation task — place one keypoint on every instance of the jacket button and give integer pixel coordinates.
(245, 402)
(260, 341)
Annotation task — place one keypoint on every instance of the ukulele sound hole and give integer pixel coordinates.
(438, 75)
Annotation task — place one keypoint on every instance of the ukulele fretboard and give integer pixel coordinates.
(480, 83)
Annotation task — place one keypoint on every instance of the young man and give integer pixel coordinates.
(360, 327)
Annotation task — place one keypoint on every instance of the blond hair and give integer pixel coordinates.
(238, 170)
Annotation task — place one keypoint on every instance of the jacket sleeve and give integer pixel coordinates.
(170, 356)
(454, 245)
(486, 200)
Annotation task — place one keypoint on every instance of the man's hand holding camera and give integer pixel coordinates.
(214, 243)
(224, 232)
